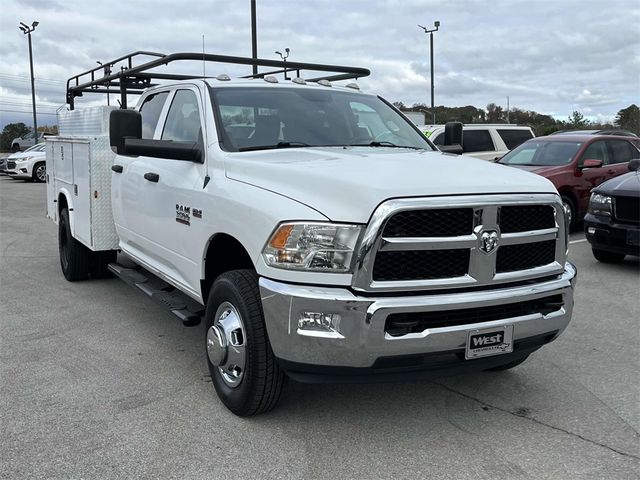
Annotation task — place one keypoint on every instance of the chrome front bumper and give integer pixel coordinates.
(362, 340)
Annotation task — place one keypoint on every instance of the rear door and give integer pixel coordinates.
(620, 152)
(127, 182)
(588, 178)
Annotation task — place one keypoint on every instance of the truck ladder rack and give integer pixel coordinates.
(133, 79)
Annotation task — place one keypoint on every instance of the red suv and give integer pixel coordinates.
(575, 163)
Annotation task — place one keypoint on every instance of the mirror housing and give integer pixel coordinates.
(123, 124)
(188, 151)
(592, 163)
(634, 165)
(452, 138)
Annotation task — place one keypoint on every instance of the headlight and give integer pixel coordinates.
(312, 247)
(600, 204)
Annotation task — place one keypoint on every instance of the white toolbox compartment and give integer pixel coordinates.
(81, 167)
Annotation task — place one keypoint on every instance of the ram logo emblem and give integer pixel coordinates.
(489, 241)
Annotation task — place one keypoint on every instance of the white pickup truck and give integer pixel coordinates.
(325, 237)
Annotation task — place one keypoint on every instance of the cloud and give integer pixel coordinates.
(552, 57)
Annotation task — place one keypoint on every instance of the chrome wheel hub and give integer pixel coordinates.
(41, 173)
(226, 344)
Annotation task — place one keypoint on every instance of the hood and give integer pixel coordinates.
(347, 184)
(627, 185)
(544, 170)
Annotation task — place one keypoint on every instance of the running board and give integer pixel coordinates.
(185, 308)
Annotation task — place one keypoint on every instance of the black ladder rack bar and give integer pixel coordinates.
(132, 78)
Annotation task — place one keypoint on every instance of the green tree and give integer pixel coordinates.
(11, 131)
(494, 113)
(577, 120)
(629, 119)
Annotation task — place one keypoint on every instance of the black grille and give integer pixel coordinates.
(528, 255)
(403, 323)
(11, 164)
(448, 222)
(627, 209)
(526, 217)
(420, 264)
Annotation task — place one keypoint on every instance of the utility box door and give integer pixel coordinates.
(81, 192)
(63, 162)
(52, 212)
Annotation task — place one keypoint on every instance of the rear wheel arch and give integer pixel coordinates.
(223, 254)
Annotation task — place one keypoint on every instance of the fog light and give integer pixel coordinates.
(591, 230)
(318, 324)
(23, 170)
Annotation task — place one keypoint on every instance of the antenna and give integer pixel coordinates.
(204, 113)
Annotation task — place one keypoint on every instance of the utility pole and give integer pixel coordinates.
(508, 109)
(436, 24)
(27, 31)
(254, 36)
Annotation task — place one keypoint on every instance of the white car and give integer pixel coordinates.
(25, 142)
(483, 141)
(28, 165)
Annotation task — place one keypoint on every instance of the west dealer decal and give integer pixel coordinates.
(184, 213)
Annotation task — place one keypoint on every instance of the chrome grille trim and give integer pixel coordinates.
(482, 267)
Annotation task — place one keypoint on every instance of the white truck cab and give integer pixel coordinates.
(317, 232)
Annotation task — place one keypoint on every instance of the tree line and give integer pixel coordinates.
(627, 118)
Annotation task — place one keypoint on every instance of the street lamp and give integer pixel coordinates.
(27, 31)
(107, 72)
(436, 24)
(284, 59)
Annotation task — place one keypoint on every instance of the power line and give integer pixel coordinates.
(24, 104)
(27, 113)
(10, 75)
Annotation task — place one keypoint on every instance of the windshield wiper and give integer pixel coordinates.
(272, 147)
(383, 144)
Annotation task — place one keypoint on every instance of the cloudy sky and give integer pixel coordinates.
(551, 56)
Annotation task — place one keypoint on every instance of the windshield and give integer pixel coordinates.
(542, 153)
(38, 147)
(256, 118)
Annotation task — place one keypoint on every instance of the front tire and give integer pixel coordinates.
(244, 370)
(39, 173)
(607, 257)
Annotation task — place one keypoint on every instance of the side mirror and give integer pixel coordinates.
(452, 138)
(634, 165)
(189, 151)
(124, 124)
(592, 163)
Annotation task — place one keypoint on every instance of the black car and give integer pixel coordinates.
(612, 224)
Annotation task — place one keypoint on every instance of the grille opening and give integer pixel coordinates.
(526, 217)
(627, 209)
(420, 264)
(399, 324)
(511, 258)
(446, 222)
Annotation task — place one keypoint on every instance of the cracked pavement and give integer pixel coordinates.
(97, 381)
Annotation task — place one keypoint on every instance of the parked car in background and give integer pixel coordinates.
(28, 165)
(26, 141)
(575, 164)
(618, 132)
(612, 224)
(483, 141)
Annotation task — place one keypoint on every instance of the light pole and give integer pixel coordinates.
(254, 36)
(27, 31)
(284, 59)
(436, 24)
(107, 72)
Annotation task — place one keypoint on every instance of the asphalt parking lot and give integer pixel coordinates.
(97, 381)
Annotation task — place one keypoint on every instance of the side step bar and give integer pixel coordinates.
(186, 309)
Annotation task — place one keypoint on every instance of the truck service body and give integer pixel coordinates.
(376, 257)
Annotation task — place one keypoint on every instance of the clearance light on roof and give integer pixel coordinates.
(353, 85)
(299, 81)
(270, 79)
(223, 77)
(324, 83)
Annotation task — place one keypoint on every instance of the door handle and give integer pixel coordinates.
(152, 177)
(116, 168)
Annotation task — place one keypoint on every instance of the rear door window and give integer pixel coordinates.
(596, 151)
(183, 119)
(621, 151)
(513, 138)
(477, 141)
(150, 111)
